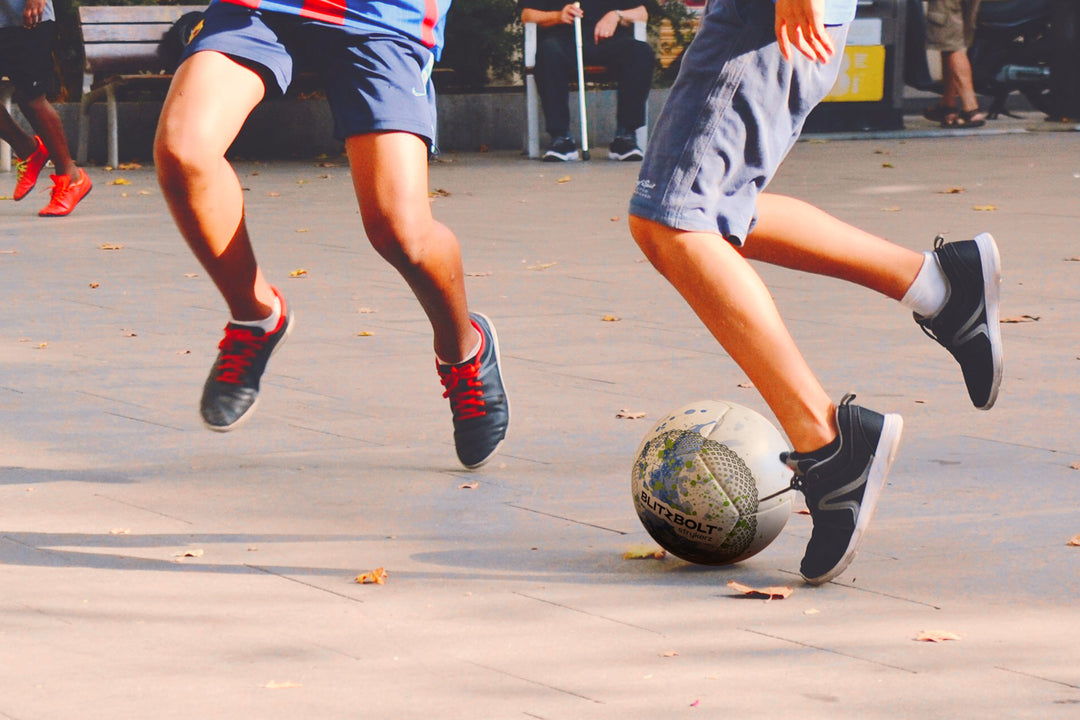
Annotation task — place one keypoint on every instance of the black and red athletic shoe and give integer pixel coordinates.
(477, 398)
(232, 388)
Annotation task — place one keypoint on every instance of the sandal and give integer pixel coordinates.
(938, 113)
(965, 119)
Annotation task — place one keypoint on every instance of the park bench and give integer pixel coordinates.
(121, 47)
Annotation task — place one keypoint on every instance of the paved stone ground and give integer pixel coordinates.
(512, 599)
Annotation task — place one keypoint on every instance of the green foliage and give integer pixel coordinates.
(483, 41)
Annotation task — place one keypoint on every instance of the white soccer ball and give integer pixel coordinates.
(699, 481)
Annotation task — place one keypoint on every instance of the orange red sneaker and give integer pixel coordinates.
(66, 194)
(27, 171)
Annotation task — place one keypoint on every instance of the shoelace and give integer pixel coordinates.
(464, 389)
(61, 187)
(21, 166)
(798, 482)
(239, 347)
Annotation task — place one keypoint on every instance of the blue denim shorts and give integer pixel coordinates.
(374, 83)
(734, 112)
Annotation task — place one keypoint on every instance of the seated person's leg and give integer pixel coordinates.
(556, 64)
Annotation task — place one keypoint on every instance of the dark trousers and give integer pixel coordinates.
(629, 60)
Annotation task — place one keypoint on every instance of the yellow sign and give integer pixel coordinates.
(862, 75)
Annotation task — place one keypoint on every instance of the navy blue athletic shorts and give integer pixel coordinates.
(374, 83)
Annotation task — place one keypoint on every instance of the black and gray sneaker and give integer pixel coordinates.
(562, 149)
(842, 483)
(624, 147)
(477, 398)
(969, 326)
(232, 388)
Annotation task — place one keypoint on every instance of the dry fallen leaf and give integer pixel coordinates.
(769, 593)
(128, 333)
(301, 230)
(284, 685)
(669, 653)
(887, 165)
(936, 636)
(953, 191)
(564, 179)
(191, 275)
(119, 531)
(469, 485)
(129, 166)
(1021, 319)
(486, 273)
(95, 285)
(614, 218)
(746, 386)
(1072, 259)
(645, 552)
(542, 266)
(193, 553)
(891, 208)
(611, 318)
(984, 208)
(365, 333)
(299, 272)
(110, 246)
(1074, 541)
(375, 577)
(439, 192)
(625, 414)
(1075, 465)
(120, 181)
(272, 193)
(366, 310)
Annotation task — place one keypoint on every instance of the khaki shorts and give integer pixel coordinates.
(950, 24)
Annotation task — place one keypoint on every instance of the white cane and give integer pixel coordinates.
(581, 88)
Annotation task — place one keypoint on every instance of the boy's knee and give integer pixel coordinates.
(401, 241)
(646, 234)
(180, 156)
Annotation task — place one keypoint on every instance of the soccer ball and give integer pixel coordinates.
(698, 481)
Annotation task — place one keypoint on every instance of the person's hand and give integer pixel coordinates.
(800, 23)
(569, 12)
(33, 11)
(606, 26)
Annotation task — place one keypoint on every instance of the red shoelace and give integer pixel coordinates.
(464, 389)
(239, 347)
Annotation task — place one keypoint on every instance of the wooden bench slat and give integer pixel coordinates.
(90, 15)
(124, 33)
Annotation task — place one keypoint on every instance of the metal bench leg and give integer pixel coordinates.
(84, 131)
(114, 149)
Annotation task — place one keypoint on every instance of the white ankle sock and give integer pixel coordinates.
(266, 324)
(469, 355)
(929, 290)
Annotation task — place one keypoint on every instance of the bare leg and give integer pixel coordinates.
(797, 235)
(390, 176)
(47, 124)
(730, 298)
(208, 102)
(959, 83)
(12, 133)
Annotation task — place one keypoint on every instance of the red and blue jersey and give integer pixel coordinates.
(423, 20)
